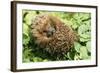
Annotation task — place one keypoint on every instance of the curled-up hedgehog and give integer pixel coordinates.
(51, 34)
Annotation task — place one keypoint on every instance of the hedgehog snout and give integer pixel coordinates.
(50, 31)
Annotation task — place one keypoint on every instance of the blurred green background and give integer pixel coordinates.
(80, 23)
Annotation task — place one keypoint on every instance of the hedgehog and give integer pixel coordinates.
(52, 35)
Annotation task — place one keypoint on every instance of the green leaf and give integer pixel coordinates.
(45, 60)
(76, 57)
(84, 16)
(83, 52)
(25, 29)
(37, 59)
(84, 33)
(84, 40)
(88, 23)
(71, 54)
(75, 26)
(25, 39)
(77, 46)
(88, 45)
(29, 17)
(26, 54)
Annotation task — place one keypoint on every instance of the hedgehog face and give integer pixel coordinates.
(49, 30)
(43, 29)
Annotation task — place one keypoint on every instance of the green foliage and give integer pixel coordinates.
(80, 23)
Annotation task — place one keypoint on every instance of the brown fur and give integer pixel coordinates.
(61, 39)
